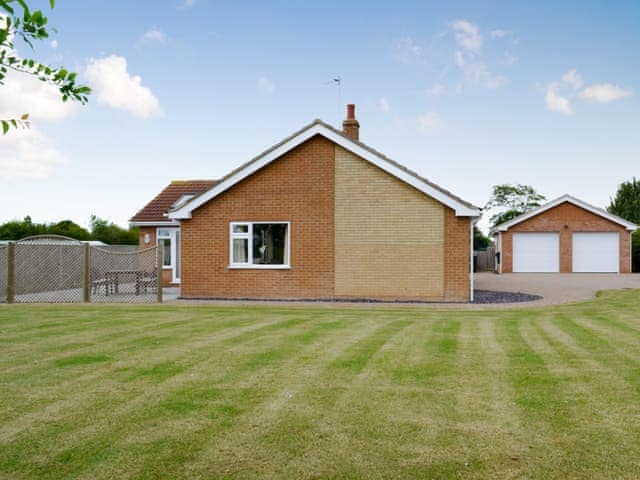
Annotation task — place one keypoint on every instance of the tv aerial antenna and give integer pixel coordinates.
(337, 82)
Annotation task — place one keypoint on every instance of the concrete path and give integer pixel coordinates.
(556, 287)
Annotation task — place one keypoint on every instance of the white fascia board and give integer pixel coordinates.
(317, 129)
(566, 198)
(167, 223)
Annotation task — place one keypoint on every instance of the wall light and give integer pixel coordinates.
(147, 239)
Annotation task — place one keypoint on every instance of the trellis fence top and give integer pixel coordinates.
(53, 239)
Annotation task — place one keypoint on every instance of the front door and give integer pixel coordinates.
(169, 238)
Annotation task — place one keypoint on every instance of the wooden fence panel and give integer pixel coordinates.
(485, 260)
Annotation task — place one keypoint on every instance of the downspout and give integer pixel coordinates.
(471, 273)
(500, 244)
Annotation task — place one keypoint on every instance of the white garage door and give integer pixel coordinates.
(596, 252)
(536, 252)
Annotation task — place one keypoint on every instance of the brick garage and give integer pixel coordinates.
(359, 226)
(566, 235)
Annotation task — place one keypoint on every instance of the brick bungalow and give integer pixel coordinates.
(320, 215)
(155, 227)
(566, 235)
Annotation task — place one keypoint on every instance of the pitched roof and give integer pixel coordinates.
(155, 211)
(560, 200)
(318, 127)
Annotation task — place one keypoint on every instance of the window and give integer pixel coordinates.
(184, 198)
(260, 245)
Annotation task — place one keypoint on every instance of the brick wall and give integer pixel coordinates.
(457, 261)
(565, 219)
(355, 232)
(389, 236)
(297, 188)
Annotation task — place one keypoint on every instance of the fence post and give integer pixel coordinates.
(11, 274)
(159, 261)
(85, 274)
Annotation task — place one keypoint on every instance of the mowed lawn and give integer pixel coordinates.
(320, 392)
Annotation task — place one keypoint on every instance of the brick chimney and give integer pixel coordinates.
(351, 127)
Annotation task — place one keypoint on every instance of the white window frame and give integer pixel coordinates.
(173, 244)
(248, 235)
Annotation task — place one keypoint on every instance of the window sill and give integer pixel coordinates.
(259, 267)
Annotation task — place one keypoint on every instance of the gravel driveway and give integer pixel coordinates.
(556, 287)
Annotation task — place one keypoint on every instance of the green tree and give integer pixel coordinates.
(480, 240)
(101, 229)
(17, 20)
(509, 201)
(68, 228)
(112, 234)
(626, 204)
(16, 229)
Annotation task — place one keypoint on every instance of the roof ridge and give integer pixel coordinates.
(246, 166)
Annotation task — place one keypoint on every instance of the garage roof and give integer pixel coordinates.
(566, 198)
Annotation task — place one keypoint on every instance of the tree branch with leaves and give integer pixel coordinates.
(509, 201)
(18, 21)
(626, 204)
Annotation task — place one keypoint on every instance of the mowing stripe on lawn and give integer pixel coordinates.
(119, 373)
(603, 351)
(279, 405)
(96, 432)
(128, 340)
(62, 379)
(233, 397)
(598, 394)
(292, 431)
(545, 415)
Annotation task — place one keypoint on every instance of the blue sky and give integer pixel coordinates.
(468, 94)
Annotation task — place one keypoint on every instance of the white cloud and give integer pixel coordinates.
(573, 79)
(469, 57)
(509, 58)
(478, 72)
(498, 33)
(556, 102)
(571, 83)
(53, 44)
(384, 105)
(26, 94)
(468, 36)
(429, 121)
(266, 85)
(115, 87)
(153, 35)
(435, 90)
(407, 50)
(27, 154)
(604, 93)
(187, 3)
